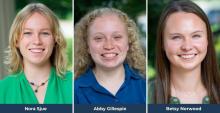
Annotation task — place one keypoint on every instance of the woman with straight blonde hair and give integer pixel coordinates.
(36, 60)
(109, 61)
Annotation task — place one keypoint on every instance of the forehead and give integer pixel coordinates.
(37, 19)
(107, 22)
(108, 17)
(184, 21)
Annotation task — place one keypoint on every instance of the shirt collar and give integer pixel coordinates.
(88, 78)
(131, 73)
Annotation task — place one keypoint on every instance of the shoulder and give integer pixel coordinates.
(85, 79)
(135, 74)
(66, 78)
(135, 79)
(8, 85)
(82, 86)
(9, 79)
(81, 80)
(151, 91)
(68, 75)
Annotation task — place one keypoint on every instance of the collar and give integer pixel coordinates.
(88, 78)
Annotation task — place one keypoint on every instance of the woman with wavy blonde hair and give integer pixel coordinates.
(108, 57)
(36, 60)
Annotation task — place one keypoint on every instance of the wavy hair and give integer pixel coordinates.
(14, 59)
(209, 67)
(135, 56)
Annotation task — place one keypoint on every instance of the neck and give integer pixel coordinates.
(36, 73)
(108, 77)
(111, 74)
(186, 80)
(187, 85)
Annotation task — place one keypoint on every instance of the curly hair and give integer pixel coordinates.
(135, 56)
(14, 59)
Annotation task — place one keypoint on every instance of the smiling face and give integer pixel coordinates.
(108, 41)
(185, 41)
(36, 40)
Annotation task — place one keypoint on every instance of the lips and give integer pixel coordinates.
(187, 56)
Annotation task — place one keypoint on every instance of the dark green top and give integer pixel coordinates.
(15, 89)
(173, 100)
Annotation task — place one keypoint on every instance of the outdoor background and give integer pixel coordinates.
(135, 9)
(210, 7)
(8, 11)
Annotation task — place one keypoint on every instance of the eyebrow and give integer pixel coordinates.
(40, 29)
(190, 33)
(197, 31)
(98, 33)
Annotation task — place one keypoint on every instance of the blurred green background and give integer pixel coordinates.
(155, 7)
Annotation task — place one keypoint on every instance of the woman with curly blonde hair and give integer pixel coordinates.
(109, 62)
(36, 59)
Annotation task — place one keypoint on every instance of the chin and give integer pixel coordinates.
(189, 67)
(111, 66)
(37, 61)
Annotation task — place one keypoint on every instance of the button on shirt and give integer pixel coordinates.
(88, 91)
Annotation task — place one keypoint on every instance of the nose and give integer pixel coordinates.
(37, 39)
(187, 45)
(109, 44)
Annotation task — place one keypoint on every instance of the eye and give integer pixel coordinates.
(98, 39)
(176, 37)
(117, 37)
(27, 33)
(45, 33)
(196, 36)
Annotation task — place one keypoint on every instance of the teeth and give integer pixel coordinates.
(109, 55)
(187, 56)
(36, 50)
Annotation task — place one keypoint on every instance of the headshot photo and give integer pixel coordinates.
(186, 65)
(109, 59)
(36, 59)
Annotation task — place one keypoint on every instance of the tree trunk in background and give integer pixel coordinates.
(7, 14)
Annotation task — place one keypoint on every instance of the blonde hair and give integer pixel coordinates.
(14, 58)
(135, 56)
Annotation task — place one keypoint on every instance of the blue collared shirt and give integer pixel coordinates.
(88, 91)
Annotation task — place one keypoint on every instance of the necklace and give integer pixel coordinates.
(193, 97)
(38, 86)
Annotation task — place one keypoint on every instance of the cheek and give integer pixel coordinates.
(171, 47)
(202, 45)
(22, 43)
(50, 42)
(124, 47)
(94, 48)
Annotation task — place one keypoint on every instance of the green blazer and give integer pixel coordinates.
(15, 89)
